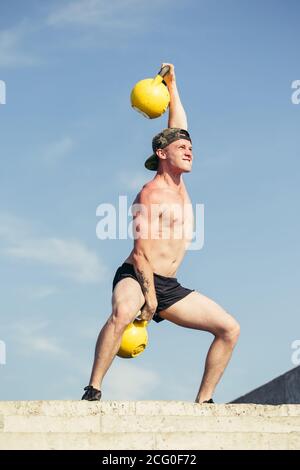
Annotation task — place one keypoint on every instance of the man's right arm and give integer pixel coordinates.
(177, 114)
(143, 221)
(145, 277)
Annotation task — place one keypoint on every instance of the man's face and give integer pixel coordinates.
(178, 155)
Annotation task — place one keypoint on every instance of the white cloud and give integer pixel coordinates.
(106, 18)
(44, 344)
(59, 149)
(110, 16)
(72, 258)
(12, 51)
(127, 381)
(92, 12)
(77, 12)
(31, 338)
(12, 228)
(133, 181)
(39, 292)
(90, 332)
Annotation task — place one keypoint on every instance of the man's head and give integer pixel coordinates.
(174, 146)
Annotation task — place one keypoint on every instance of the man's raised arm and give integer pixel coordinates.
(177, 115)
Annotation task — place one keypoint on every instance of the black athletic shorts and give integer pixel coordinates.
(168, 290)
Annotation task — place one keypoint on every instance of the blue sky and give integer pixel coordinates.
(70, 141)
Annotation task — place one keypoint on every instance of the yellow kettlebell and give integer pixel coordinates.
(134, 339)
(151, 97)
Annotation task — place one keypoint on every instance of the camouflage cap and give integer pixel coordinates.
(162, 140)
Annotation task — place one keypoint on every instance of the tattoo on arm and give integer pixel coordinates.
(144, 282)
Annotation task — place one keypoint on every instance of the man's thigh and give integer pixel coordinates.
(199, 312)
(128, 292)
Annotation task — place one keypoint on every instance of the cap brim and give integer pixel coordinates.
(152, 163)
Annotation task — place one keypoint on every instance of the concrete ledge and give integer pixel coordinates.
(132, 408)
(147, 425)
(150, 441)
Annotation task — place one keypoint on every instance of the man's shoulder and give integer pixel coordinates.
(151, 192)
(154, 194)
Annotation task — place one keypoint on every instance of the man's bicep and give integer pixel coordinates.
(140, 224)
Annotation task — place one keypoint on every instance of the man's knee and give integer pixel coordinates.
(122, 315)
(231, 331)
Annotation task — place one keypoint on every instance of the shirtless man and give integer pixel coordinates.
(146, 281)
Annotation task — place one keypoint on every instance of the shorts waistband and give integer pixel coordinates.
(155, 274)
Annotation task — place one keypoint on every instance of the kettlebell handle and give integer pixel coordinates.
(164, 71)
(143, 322)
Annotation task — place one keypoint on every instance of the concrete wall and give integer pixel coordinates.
(162, 425)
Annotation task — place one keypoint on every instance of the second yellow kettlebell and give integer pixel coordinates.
(134, 339)
(151, 97)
